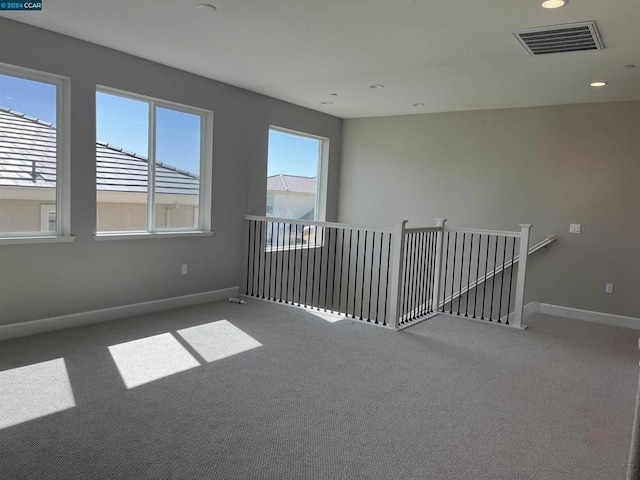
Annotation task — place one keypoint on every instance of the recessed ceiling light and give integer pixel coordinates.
(598, 84)
(207, 6)
(554, 3)
(418, 105)
(376, 85)
(326, 103)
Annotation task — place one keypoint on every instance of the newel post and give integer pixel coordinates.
(246, 265)
(397, 265)
(435, 305)
(518, 311)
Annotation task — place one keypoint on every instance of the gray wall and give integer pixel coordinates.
(41, 281)
(548, 166)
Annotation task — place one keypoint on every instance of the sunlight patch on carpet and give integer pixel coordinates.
(34, 391)
(327, 316)
(217, 340)
(152, 358)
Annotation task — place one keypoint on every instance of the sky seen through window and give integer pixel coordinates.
(124, 122)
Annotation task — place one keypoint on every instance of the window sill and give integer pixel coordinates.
(40, 239)
(103, 237)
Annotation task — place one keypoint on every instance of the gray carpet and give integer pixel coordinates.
(446, 399)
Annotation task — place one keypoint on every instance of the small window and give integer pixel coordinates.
(269, 205)
(32, 161)
(153, 165)
(48, 218)
(293, 174)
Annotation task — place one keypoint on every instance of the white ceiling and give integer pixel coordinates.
(448, 54)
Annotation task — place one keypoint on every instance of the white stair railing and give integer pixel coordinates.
(469, 272)
(478, 282)
(389, 277)
(333, 267)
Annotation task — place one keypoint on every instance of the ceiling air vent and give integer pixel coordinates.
(571, 37)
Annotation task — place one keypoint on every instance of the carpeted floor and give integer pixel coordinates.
(308, 399)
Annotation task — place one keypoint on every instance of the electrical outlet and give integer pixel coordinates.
(185, 268)
(608, 288)
(575, 228)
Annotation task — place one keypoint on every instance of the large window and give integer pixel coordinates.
(33, 190)
(293, 174)
(153, 165)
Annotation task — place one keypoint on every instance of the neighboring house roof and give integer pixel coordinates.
(291, 183)
(28, 159)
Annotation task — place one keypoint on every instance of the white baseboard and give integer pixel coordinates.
(585, 315)
(94, 316)
(529, 308)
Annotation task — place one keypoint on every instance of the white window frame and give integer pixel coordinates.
(63, 159)
(206, 167)
(321, 174)
(321, 184)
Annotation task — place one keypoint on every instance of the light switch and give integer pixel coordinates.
(575, 228)
(608, 288)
